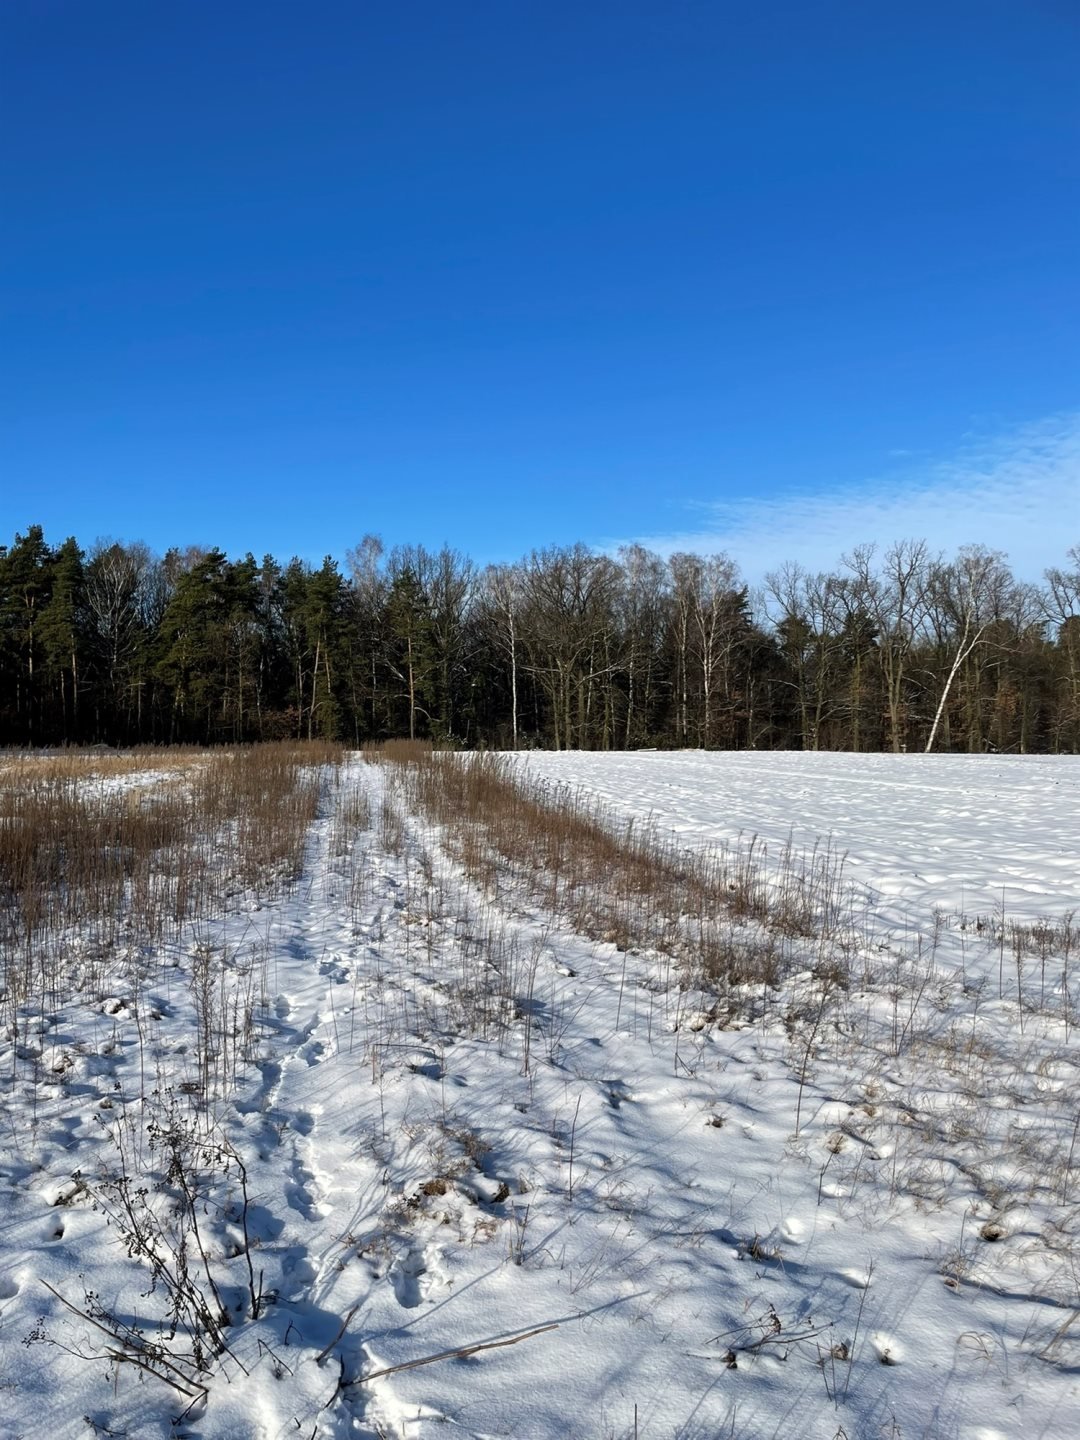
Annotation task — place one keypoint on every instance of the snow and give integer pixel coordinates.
(463, 1124)
(920, 832)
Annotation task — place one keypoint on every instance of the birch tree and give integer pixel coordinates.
(972, 591)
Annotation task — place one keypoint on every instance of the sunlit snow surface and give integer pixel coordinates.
(633, 1174)
(955, 832)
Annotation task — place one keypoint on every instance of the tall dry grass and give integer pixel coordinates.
(18, 766)
(94, 856)
(724, 914)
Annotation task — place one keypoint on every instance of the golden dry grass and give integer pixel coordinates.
(94, 865)
(716, 912)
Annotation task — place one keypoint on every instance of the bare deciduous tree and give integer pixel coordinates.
(895, 597)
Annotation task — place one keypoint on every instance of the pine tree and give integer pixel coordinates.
(62, 631)
(25, 583)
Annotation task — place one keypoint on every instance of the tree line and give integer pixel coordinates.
(898, 649)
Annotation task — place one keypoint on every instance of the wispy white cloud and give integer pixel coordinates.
(1018, 492)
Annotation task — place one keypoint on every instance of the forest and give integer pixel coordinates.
(896, 649)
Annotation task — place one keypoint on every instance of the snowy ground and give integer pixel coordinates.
(846, 1213)
(952, 832)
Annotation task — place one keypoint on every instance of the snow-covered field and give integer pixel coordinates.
(836, 1210)
(957, 833)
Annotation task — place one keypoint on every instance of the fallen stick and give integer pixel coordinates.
(459, 1354)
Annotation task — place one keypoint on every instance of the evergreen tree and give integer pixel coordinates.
(25, 584)
(410, 652)
(62, 630)
(193, 650)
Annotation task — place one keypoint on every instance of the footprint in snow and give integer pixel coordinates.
(405, 1275)
(313, 1051)
(617, 1093)
(415, 1273)
(298, 1272)
(302, 1192)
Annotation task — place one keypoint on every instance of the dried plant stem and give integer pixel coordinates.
(460, 1353)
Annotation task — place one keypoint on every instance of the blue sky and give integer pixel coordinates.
(769, 277)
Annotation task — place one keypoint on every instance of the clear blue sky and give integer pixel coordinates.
(508, 274)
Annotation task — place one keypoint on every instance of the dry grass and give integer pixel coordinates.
(88, 864)
(19, 766)
(716, 912)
